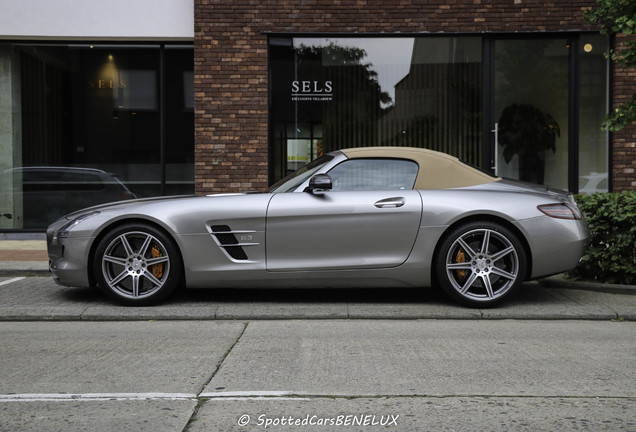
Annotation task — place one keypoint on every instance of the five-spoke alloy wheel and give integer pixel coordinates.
(480, 263)
(137, 264)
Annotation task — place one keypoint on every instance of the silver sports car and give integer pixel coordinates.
(362, 217)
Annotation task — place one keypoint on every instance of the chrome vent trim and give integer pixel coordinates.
(232, 245)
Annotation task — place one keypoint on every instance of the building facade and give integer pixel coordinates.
(104, 102)
(278, 82)
(96, 105)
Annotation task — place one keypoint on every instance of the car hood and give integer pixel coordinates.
(130, 205)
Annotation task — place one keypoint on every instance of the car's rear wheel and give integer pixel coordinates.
(480, 264)
(137, 264)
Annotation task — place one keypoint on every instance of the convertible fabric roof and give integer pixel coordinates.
(437, 170)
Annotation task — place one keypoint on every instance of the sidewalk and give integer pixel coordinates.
(23, 257)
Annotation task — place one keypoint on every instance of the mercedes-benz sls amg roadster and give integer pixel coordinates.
(360, 218)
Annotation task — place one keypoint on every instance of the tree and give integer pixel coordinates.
(618, 17)
(358, 102)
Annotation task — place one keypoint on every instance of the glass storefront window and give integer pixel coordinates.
(84, 127)
(531, 108)
(447, 93)
(331, 93)
(593, 158)
(179, 120)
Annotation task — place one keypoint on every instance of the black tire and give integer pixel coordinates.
(137, 264)
(477, 277)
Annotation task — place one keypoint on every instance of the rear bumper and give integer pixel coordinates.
(556, 245)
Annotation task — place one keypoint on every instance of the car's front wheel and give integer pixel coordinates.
(137, 264)
(480, 264)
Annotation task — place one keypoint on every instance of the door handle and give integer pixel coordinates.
(390, 202)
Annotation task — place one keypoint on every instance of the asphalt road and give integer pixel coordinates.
(552, 359)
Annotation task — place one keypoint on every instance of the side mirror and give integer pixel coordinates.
(319, 183)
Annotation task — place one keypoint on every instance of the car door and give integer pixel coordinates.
(369, 220)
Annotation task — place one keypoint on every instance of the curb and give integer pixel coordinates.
(560, 281)
(24, 268)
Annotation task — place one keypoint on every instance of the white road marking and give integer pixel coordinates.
(7, 282)
(85, 397)
(259, 398)
(61, 397)
(240, 395)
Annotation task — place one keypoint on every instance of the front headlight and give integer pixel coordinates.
(63, 233)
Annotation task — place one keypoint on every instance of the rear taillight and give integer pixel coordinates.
(560, 211)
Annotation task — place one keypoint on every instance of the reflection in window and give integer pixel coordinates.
(531, 108)
(357, 92)
(48, 193)
(85, 114)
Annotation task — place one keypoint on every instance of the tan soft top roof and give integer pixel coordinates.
(437, 170)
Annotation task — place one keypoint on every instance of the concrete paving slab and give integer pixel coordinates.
(538, 302)
(112, 357)
(112, 312)
(39, 298)
(460, 414)
(96, 416)
(269, 310)
(412, 311)
(34, 291)
(621, 303)
(419, 303)
(41, 313)
(431, 357)
(461, 375)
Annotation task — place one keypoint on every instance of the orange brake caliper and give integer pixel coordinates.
(157, 269)
(460, 258)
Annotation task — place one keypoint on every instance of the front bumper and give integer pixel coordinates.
(68, 257)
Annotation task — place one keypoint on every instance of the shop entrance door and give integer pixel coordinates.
(528, 111)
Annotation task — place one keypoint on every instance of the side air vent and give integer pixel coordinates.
(221, 228)
(228, 242)
(236, 252)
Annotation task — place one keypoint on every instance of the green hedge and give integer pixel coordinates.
(611, 255)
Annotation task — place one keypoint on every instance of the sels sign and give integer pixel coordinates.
(311, 91)
(107, 84)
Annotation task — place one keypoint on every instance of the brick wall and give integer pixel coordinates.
(624, 141)
(230, 50)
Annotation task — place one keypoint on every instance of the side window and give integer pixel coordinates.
(374, 174)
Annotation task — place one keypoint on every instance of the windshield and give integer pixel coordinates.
(292, 181)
